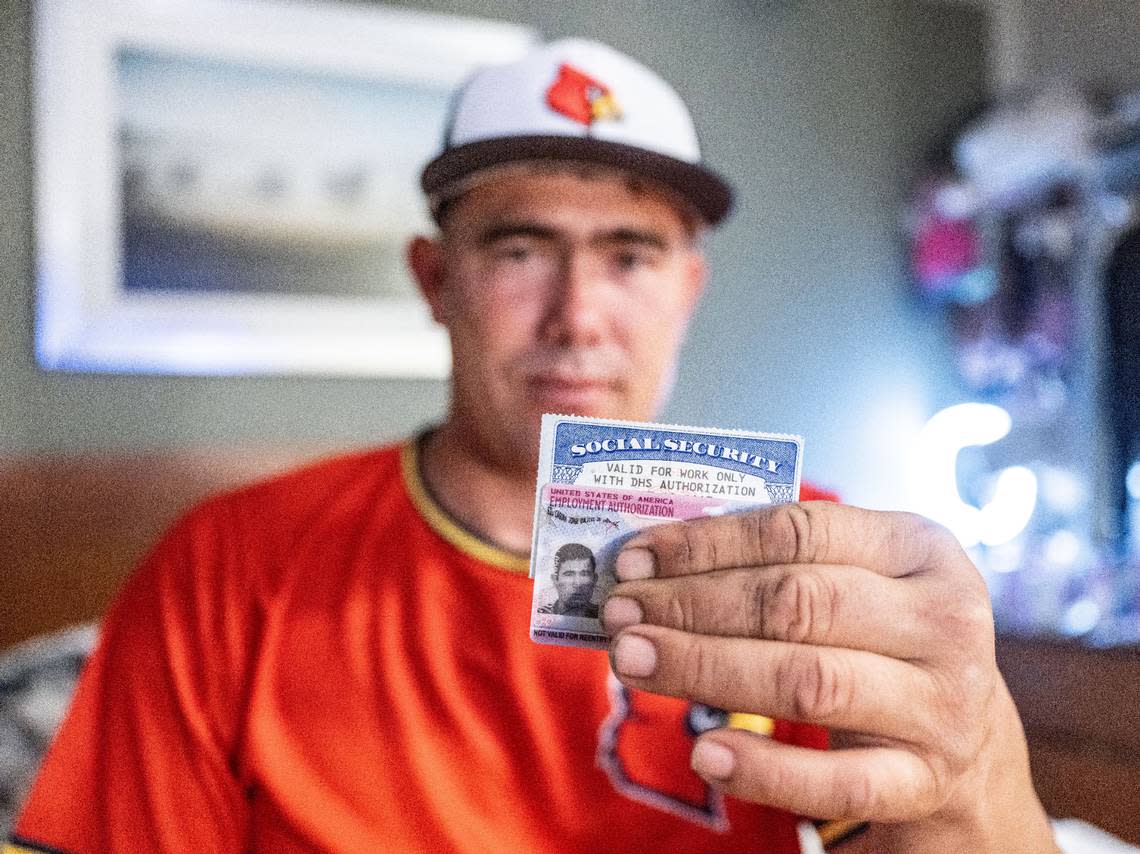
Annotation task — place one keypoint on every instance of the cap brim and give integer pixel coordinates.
(707, 191)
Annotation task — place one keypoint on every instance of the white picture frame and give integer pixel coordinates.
(115, 94)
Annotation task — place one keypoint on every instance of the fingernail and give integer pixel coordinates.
(634, 656)
(633, 564)
(710, 759)
(620, 612)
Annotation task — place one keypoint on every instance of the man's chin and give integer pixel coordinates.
(588, 401)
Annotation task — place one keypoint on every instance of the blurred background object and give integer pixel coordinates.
(223, 189)
(227, 187)
(1023, 242)
(37, 679)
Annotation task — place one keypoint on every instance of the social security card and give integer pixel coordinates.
(730, 465)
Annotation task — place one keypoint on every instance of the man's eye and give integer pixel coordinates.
(630, 260)
(515, 252)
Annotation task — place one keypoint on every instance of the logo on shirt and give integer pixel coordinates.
(580, 97)
(644, 747)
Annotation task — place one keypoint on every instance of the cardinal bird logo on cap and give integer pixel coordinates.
(580, 97)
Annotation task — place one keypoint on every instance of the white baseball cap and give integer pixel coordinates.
(574, 100)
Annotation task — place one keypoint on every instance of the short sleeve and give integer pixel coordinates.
(147, 758)
(811, 492)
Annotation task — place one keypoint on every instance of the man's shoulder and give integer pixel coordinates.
(811, 492)
(343, 483)
(256, 532)
(322, 474)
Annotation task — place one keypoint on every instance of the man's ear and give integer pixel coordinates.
(696, 275)
(426, 261)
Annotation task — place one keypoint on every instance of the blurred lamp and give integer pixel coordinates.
(936, 480)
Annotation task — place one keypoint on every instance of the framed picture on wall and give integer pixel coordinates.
(227, 186)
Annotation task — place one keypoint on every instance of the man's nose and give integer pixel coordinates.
(575, 315)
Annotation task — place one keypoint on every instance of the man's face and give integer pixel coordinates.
(561, 293)
(575, 581)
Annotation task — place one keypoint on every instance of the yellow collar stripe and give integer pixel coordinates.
(16, 848)
(438, 519)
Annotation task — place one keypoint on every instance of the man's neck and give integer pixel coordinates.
(495, 504)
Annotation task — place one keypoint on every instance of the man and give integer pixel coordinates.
(301, 666)
(575, 575)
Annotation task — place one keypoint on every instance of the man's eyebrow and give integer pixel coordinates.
(507, 230)
(625, 235)
(634, 235)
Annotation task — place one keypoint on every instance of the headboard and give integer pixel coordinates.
(73, 526)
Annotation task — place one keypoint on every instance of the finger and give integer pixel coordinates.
(836, 688)
(862, 784)
(843, 606)
(891, 544)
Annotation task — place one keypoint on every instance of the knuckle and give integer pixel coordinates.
(687, 547)
(941, 718)
(797, 607)
(960, 704)
(916, 524)
(820, 690)
(955, 721)
(699, 670)
(856, 795)
(681, 548)
(972, 613)
(931, 790)
(751, 529)
(960, 617)
(679, 610)
(959, 753)
(937, 540)
(800, 532)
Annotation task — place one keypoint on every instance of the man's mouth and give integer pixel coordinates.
(570, 389)
(574, 380)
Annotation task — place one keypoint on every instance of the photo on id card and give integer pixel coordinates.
(578, 538)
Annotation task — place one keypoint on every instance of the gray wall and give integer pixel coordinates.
(815, 109)
(1097, 41)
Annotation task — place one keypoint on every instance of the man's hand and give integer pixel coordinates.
(874, 625)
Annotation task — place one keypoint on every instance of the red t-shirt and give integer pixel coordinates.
(327, 662)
